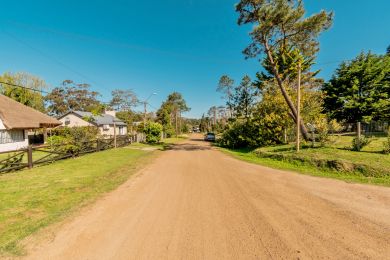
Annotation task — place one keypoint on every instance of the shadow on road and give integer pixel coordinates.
(187, 147)
(199, 146)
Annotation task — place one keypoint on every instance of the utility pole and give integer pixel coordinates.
(176, 122)
(145, 103)
(215, 116)
(299, 106)
(114, 134)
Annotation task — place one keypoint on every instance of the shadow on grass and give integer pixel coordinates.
(349, 149)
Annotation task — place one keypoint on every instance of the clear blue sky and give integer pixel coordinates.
(163, 46)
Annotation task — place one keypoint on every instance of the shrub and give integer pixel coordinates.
(63, 144)
(169, 131)
(153, 132)
(322, 128)
(359, 143)
(252, 133)
(386, 144)
(73, 139)
(334, 126)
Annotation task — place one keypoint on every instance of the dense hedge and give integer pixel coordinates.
(251, 133)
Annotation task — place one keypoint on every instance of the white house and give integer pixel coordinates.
(16, 120)
(105, 122)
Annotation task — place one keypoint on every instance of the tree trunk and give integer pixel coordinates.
(287, 98)
(176, 122)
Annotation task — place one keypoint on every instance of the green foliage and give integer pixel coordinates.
(123, 100)
(153, 132)
(73, 139)
(252, 133)
(386, 143)
(386, 146)
(169, 131)
(169, 114)
(129, 117)
(286, 37)
(63, 144)
(281, 24)
(73, 96)
(244, 98)
(226, 87)
(27, 97)
(270, 118)
(238, 135)
(360, 89)
(322, 129)
(334, 126)
(359, 143)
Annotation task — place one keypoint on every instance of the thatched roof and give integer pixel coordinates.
(18, 116)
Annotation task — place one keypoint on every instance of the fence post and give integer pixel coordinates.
(97, 145)
(29, 156)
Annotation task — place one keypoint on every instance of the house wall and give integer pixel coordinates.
(110, 131)
(13, 146)
(74, 121)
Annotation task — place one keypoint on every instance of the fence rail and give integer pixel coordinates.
(35, 156)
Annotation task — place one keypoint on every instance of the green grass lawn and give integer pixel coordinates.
(370, 156)
(33, 199)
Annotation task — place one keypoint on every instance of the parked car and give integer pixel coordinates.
(209, 137)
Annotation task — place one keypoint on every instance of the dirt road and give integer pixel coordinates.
(195, 202)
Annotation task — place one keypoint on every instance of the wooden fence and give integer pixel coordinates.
(34, 156)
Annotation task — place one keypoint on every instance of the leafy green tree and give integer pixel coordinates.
(360, 89)
(152, 131)
(123, 100)
(30, 95)
(165, 118)
(73, 96)
(244, 98)
(274, 111)
(226, 87)
(129, 117)
(204, 123)
(281, 27)
(170, 112)
(212, 113)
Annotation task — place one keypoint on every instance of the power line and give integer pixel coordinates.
(19, 86)
(146, 49)
(49, 57)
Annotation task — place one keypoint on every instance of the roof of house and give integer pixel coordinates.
(15, 115)
(103, 119)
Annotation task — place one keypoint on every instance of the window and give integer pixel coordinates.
(67, 120)
(121, 130)
(11, 136)
(106, 127)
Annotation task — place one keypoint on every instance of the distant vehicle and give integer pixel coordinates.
(209, 137)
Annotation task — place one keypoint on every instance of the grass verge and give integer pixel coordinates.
(33, 199)
(304, 168)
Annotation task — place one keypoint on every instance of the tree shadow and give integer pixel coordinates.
(186, 147)
(350, 150)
